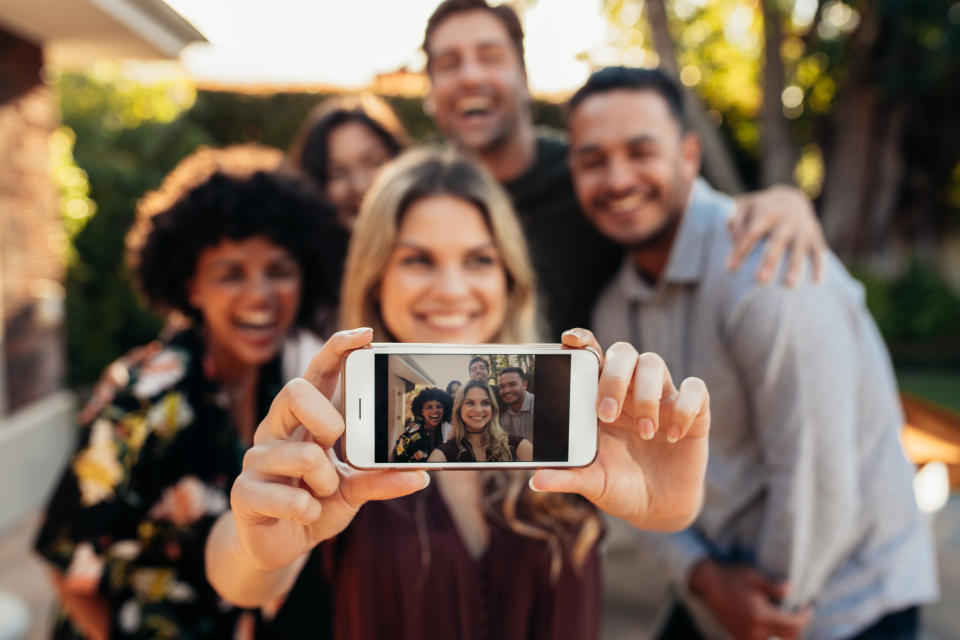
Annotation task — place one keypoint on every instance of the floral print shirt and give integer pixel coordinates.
(414, 444)
(131, 514)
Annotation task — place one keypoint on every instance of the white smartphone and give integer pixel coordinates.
(520, 406)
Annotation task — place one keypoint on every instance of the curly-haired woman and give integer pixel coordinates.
(431, 426)
(225, 240)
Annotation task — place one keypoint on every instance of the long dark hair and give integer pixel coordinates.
(311, 146)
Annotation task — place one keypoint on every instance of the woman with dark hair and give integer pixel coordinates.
(342, 145)
(452, 387)
(431, 419)
(477, 435)
(226, 241)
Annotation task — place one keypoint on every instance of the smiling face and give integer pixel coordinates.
(432, 413)
(478, 87)
(444, 280)
(512, 388)
(248, 293)
(632, 166)
(479, 370)
(355, 156)
(476, 410)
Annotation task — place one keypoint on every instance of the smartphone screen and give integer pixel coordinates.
(458, 406)
(442, 398)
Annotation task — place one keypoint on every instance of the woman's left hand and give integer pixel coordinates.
(652, 441)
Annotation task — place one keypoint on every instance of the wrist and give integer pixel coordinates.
(702, 578)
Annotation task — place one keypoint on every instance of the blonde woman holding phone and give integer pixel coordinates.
(438, 256)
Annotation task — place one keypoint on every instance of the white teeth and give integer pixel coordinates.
(474, 103)
(256, 318)
(626, 204)
(448, 321)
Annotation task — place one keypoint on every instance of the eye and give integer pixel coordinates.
(445, 62)
(416, 259)
(590, 161)
(283, 270)
(482, 260)
(233, 274)
(492, 55)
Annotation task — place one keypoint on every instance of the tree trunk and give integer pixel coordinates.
(780, 152)
(718, 165)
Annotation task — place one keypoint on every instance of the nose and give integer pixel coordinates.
(471, 71)
(360, 181)
(259, 287)
(451, 283)
(619, 178)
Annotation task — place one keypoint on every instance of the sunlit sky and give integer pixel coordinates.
(346, 43)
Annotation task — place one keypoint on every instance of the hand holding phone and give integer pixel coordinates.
(652, 448)
(293, 492)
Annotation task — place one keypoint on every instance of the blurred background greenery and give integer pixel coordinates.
(856, 102)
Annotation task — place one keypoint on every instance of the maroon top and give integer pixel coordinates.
(401, 571)
(452, 452)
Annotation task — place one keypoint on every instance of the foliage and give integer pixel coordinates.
(846, 64)
(125, 137)
(916, 312)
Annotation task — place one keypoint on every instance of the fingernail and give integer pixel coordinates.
(426, 480)
(358, 331)
(673, 433)
(579, 333)
(646, 428)
(530, 484)
(607, 409)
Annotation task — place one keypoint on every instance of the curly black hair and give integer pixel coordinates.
(233, 194)
(432, 393)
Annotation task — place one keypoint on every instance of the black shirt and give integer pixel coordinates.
(571, 258)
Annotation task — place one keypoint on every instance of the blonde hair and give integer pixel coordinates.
(562, 521)
(418, 174)
(495, 441)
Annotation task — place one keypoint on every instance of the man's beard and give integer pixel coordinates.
(674, 204)
(660, 236)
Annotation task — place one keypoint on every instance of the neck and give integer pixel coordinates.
(230, 371)
(511, 159)
(475, 439)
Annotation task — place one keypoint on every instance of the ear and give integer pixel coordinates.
(430, 104)
(690, 155)
(194, 298)
(524, 385)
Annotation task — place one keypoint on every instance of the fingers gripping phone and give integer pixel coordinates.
(469, 406)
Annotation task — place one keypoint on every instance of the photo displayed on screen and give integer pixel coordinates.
(472, 407)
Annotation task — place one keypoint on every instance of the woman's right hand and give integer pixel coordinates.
(293, 491)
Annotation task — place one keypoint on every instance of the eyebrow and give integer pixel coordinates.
(483, 44)
(644, 138)
(406, 244)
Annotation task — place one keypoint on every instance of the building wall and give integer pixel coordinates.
(31, 232)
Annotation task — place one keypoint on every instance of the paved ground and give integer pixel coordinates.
(633, 591)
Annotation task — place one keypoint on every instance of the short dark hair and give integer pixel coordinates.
(504, 13)
(633, 79)
(451, 383)
(516, 370)
(428, 394)
(232, 194)
(310, 151)
(481, 359)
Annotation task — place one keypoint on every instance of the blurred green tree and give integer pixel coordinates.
(854, 100)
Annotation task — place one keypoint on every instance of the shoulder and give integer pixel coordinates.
(514, 441)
